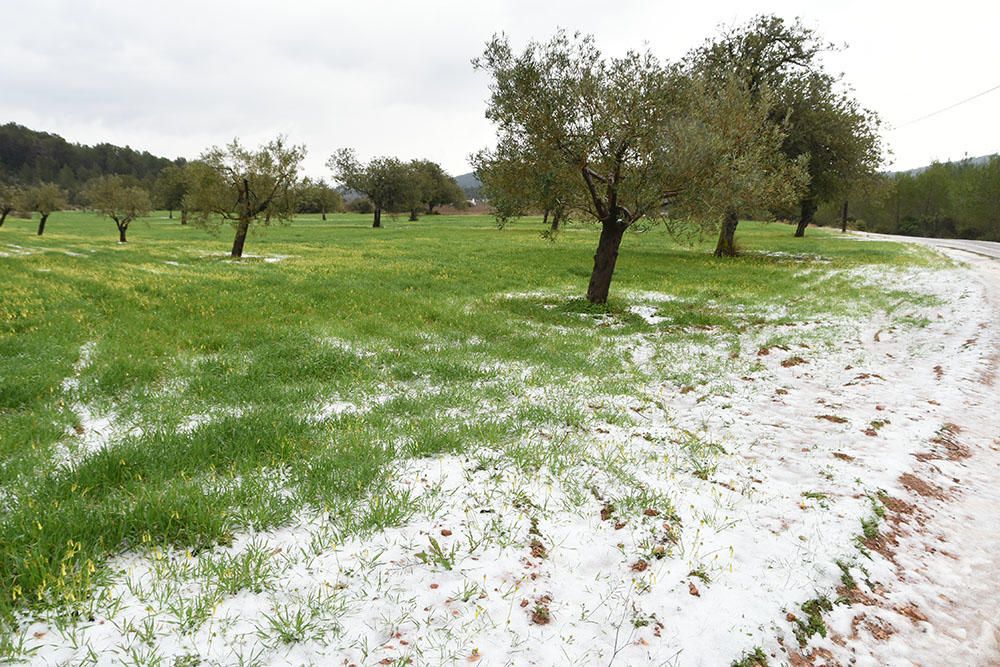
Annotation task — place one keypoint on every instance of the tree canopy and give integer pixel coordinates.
(115, 198)
(823, 122)
(386, 181)
(434, 187)
(10, 195)
(728, 152)
(318, 197)
(244, 186)
(601, 122)
(45, 199)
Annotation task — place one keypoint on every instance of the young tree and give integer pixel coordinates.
(822, 121)
(113, 197)
(43, 198)
(600, 119)
(386, 181)
(245, 187)
(170, 189)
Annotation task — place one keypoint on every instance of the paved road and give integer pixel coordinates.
(989, 249)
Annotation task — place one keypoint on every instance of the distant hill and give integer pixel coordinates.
(30, 156)
(972, 161)
(470, 184)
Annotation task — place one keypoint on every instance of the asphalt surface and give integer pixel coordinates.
(989, 249)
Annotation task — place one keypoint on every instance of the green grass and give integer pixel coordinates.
(420, 323)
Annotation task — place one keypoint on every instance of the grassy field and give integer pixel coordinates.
(158, 394)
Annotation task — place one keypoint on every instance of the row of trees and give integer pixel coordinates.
(394, 186)
(242, 186)
(747, 124)
(116, 197)
(949, 200)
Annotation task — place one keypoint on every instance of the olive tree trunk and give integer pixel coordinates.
(726, 247)
(378, 217)
(41, 223)
(556, 220)
(241, 238)
(122, 230)
(604, 261)
(184, 217)
(3, 216)
(808, 210)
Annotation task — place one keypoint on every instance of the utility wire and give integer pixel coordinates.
(949, 108)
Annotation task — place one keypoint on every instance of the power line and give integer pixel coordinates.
(949, 108)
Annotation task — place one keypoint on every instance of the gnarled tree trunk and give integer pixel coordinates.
(323, 214)
(378, 217)
(41, 223)
(604, 261)
(726, 247)
(413, 215)
(808, 210)
(184, 217)
(241, 238)
(556, 219)
(843, 218)
(3, 215)
(122, 229)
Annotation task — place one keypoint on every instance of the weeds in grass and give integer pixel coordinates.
(436, 555)
(812, 623)
(753, 658)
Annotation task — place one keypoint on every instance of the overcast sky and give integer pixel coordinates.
(393, 77)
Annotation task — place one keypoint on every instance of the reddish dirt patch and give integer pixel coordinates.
(538, 549)
(856, 596)
(796, 659)
(763, 352)
(843, 457)
(879, 628)
(541, 615)
(793, 361)
(640, 565)
(947, 439)
(914, 484)
(836, 419)
(911, 612)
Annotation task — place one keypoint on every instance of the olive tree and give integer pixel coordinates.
(245, 187)
(171, 187)
(318, 197)
(387, 182)
(434, 187)
(601, 121)
(10, 196)
(729, 157)
(115, 198)
(45, 198)
(823, 123)
(516, 184)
